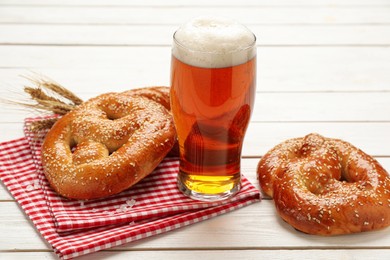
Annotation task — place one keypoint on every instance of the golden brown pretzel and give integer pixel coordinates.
(161, 96)
(108, 143)
(157, 94)
(326, 186)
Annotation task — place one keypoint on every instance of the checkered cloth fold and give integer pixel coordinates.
(74, 228)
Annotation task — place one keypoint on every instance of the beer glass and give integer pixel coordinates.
(213, 81)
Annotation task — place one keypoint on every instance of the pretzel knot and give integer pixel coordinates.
(326, 186)
(108, 143)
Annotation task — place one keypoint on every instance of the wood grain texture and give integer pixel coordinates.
(176, 15)
(202, 3)
(323, 66)
(295, 107)
(255, 226)
(280, 69)
(157, 35)
(215, 254)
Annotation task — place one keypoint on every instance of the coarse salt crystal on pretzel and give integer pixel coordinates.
(108, 143)
(326, 186)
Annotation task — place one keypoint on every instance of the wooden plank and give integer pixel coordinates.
(14, 221)
(248, 168)
(177, 15)
(274, 107)
(255, 226)
(118, 68)
(234, 3)
(157, 35)
(295, 107)
(360, 254)
(373, 138)
(255, 231)
(10, 131)
(225, 3)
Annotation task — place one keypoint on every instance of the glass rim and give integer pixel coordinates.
(245, 48)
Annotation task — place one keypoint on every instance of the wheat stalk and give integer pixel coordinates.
(54, 87)
(48, 95)
(43, 124)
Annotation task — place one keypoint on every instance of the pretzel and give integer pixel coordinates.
(109, 143)
(157, 94)
(161, 96)
(326, 186)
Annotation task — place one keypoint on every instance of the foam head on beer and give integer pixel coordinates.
(213, 42)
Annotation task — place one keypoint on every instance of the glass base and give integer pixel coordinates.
(209, 188)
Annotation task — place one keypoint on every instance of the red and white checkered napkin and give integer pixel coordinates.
(75, 228)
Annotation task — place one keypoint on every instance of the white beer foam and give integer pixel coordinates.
(213, 42)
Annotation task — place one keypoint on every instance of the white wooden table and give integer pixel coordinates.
(323, 66)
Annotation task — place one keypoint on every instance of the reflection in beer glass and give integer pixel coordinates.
(213, 81)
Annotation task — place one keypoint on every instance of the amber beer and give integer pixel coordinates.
(213, 79)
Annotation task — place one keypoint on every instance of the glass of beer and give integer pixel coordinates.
(213, 82)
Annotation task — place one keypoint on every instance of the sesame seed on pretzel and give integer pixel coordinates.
(108, 143)
(326, 186)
